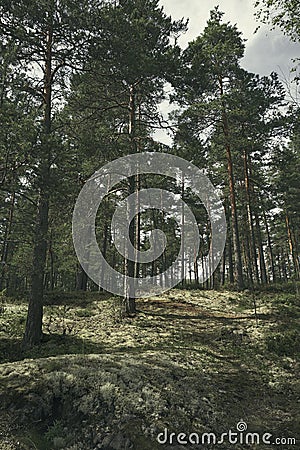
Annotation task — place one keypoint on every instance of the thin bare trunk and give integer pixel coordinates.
(229, 244)
(6, 243)
(292, 245)
(270, 249)
(223, 270)
(252, 240)
(182, 233)
(232, 196)
(51, 256)
(262, 263)
(130, 266)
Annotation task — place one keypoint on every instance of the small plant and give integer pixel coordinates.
(58, 321)
(56, 435)
(2, 301)
(286, 343)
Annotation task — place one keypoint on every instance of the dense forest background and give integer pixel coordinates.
(81, 85)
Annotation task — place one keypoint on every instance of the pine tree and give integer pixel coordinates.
(211, 65)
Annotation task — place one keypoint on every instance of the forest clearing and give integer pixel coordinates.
(192, 361)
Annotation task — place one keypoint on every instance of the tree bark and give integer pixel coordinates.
(229, 243)
(130, 266)
(262, 263)
(252, 240)
(232, 196)
(292, 245)
(182, 233)
(6, 243)
(223, 270)
(33, 330)
(81, 279)
(272, 259)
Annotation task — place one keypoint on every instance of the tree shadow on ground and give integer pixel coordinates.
(53, 345)
(235, 387)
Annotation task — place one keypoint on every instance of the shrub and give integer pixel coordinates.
(286, 343)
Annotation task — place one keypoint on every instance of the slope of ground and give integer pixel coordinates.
(190, 362)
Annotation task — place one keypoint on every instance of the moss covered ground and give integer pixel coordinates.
(191, 361)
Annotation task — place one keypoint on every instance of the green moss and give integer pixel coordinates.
(34, 439)
(285, 343)
(190, 360)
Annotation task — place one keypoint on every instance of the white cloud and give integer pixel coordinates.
(270, 51)
(265, 51)
(240, 12)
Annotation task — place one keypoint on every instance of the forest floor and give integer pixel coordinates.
(189, 362)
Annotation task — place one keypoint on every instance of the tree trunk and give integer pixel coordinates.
(129, 288)
(235, 228)
(6, 243)
(182, 233)
(262, 263)
(232, 196)
(137, 231)
(292, 246)
(283, 259)
(81, 279)
(33, 330)
(229, 243)
(252, 240)
(248, 261)
(223, 270)
(196, 268)
(51, 256)
(104, 250)
(272, 259)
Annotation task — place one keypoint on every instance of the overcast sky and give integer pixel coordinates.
(266, 51)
